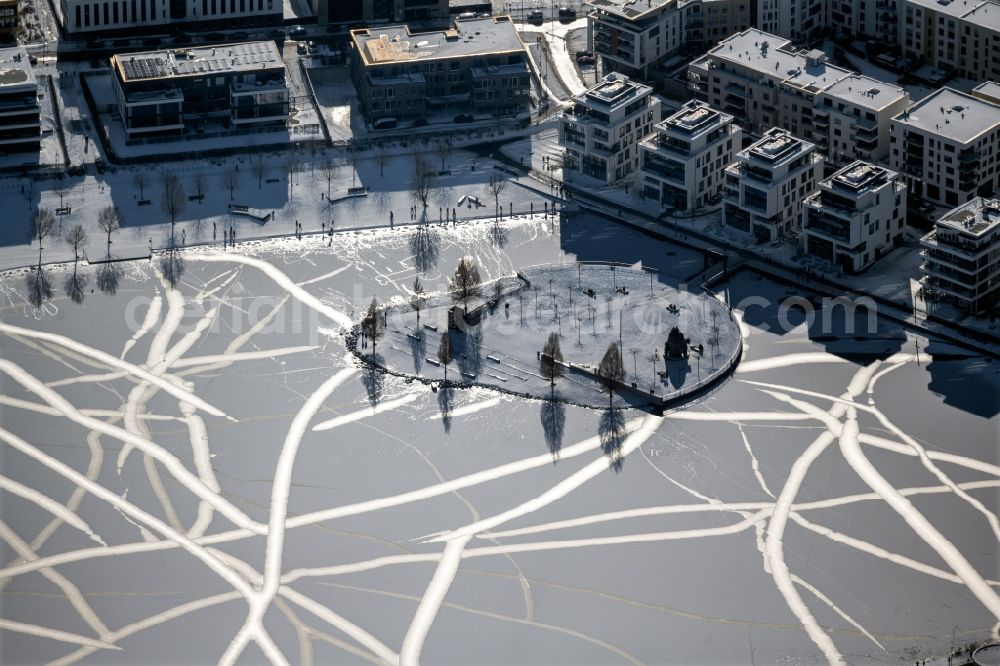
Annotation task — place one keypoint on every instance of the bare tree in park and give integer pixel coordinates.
(172, 202)
(109, 219)
(444, 150)
(372, 324)
(329, 171)
(258, 167)
(61, 191)
(445, 353)
(200, 185)
(381, 159)
(495, 187)
(139, 181)
(422, 182)
(77, 239)
(550, 365)
(291, 165)
(611, 369)
(230, 180)
(354, 168)
(418, 298)
(75, 283)
(41, 226)
(465, 284)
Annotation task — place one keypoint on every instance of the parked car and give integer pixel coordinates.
(466, 15)
(300, 48)
(420, 122)
(384, 124)
(567, 12)
(536, 16)
(464, 118)
(296, 31)
(586, 60)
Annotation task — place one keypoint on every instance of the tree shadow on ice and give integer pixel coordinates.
(553, 415)
(469, 351)
(172, 266)
(74, 286)
(108, 276)
(611, 432)
(445, 398)
(498, 235)
(38, 286)
(373, 379)
(426, 248)
(964, 380)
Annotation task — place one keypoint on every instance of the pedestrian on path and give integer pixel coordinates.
(183, 236)
(214, 225)
(391, 218)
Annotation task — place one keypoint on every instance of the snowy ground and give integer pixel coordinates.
(203, 473)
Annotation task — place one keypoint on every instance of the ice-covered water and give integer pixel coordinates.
(203, 473)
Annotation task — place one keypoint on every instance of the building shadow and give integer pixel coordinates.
(964, 380)
(553, 415)
(677, 372)
(425, 244)
(611, 432)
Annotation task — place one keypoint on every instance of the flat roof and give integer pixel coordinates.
(629, 9)
(975, 218)
(952, 114)
(866, 92)
(980, 12)
(860, 176)
(695, 118)
(989, 91)
(183, 62)
(15, 69)
(467, 38)
(986, 15)
(776, 146)
(773, 56)
(613, 90)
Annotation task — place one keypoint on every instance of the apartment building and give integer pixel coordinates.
(853, 19)
(682, 164)
(946, 146)
(962, 257)
(988, 91)
(477, 65)
(707, 22)
(764, 82)
(20, 123)
(603, 126)
(107, 17)
(856, 216)
(168, 92)
(8, 21)
(961, 36)
(630, 36)
(358, 11)
(856, 113)
(765, 186)
(798, 20)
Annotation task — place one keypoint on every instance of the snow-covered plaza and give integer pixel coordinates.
(205, 472)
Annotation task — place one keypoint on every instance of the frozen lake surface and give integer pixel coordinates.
(205, 473)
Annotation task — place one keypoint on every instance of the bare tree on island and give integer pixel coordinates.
(109, 219)
(172, 202)
(77, 239)
(550, 365)
(444, 150)
(422, 182)
(418, 298)
(611, 369)
(139, 181)
(445, 353)
(41, 226)
(495, 187)
(258, 167)
(230, 180)
(328, 169)
(200, 185)
(372, 325)
(466, 284)
(381, 159)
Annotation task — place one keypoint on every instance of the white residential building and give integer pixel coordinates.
(764, 188)
(854, 19)
(962, 36)
(682, 164)
(947, 147)
(856, 216)
(105, 16)
(799, 20)
(988, 92)
(631, 36)
(707, 22)
(765, 82)
(962, 257)
(602, 128)
(857, 113)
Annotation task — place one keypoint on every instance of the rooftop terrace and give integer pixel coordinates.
(467, 38)
(860, 176)
(176, 63)
(953, 115)
(975, 218)
(15, 70)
